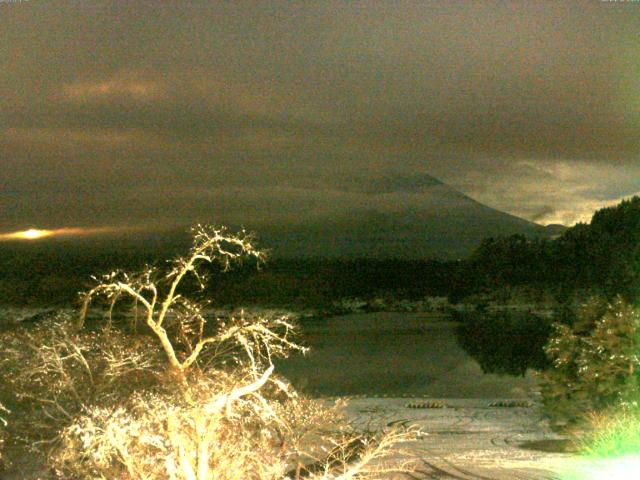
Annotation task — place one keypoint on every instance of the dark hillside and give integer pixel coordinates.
(602, 257)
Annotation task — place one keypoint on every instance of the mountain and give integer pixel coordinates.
(413, 217)
(389, 217)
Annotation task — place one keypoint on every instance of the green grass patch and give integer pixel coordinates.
(613, 435)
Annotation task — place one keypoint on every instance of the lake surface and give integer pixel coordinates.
(393, 354)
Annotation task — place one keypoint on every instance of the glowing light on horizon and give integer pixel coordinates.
(31, 234)
(37, 234)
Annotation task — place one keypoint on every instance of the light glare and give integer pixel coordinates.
(31, 234)
(36, 233)
(619, 468)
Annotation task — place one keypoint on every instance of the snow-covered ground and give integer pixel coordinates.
(469, 439)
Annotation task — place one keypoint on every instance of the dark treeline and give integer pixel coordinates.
(601, 258)
(53, 272)
(583, 270)
(318, 282)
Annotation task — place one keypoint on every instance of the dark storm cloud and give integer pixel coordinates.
(111, 111)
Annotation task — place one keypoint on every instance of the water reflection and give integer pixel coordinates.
(505, 342)
(396, 354)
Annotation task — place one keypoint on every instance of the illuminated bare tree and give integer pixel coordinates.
(157, 294)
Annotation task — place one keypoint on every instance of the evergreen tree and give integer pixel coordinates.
(595, 362)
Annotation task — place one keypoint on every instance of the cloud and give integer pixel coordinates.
(94, 139)
(113, 88)
(530, 108)
(550, 191)
(541, 213)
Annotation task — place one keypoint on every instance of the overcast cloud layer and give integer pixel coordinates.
(113, 113)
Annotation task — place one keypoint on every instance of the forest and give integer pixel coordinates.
(599, 258)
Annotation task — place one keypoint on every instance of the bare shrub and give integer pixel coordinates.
(55, 371)
(159, 436)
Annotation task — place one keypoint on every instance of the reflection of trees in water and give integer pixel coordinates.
(505, 343)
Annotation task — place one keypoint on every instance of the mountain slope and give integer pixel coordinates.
(397, 218)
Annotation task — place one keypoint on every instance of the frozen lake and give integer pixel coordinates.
(393, 354)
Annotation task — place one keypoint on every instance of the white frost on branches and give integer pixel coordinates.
(156, 293)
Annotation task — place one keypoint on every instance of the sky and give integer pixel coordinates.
(120, 114)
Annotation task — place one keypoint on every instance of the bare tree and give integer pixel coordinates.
(157, 293)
